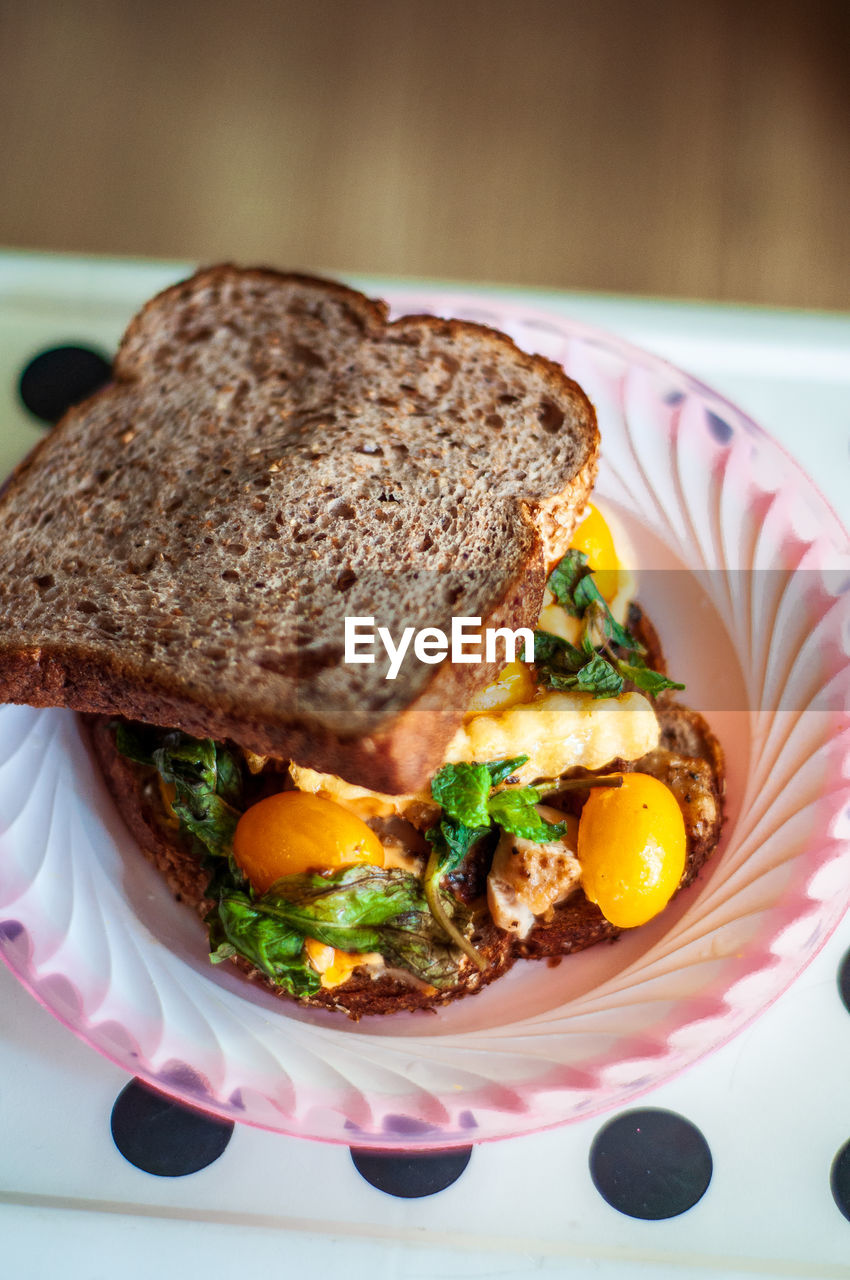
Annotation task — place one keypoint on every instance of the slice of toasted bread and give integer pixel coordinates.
(272, 456)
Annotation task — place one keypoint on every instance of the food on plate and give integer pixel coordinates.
(631, 849)
(372, 831)
(291, 832)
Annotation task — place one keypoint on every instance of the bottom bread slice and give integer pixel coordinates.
(689, 760)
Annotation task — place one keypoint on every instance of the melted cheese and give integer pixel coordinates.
(400, 856)
(359, 800)
(559, 731)
(335, 967)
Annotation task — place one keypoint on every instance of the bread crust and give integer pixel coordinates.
(93, 673)
(394, 760)
(96, 673)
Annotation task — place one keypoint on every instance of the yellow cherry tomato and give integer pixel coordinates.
(631, 849)
(593, 537)
(294, 831)
(515, 683)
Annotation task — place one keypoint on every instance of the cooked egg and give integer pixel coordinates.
(555, 619)
(559, 731)
(293, 832)
(359, 800)
(631, 849)
(255, 763)
(515, 683)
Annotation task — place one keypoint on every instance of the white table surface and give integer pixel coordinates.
(774, 1104)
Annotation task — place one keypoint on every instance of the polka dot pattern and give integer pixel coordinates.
(164, 1137)
(650, 1163)
(411, 1176)
(839, 1179)
(60, 377)
(844, 981)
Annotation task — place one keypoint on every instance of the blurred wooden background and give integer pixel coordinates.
(683, 147)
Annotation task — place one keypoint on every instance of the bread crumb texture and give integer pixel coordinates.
(272, 456)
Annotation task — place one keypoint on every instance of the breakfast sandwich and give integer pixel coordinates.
(364, 668)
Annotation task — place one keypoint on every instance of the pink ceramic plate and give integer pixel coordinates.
(742, 570)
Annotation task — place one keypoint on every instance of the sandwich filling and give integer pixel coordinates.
(323, 879)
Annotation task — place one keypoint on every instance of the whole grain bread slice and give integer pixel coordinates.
(272, 456)
(689, 760)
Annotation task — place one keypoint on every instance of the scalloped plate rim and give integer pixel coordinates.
(631, 354)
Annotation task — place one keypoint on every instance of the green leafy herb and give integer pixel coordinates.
(597, 676)
(598, 618)
(470, 808)
(499, 770)
(609, 653)
(357, 909)
(450, 842)
(229, 776)
(461, 790)
(514, 811)
(552, 650)
(464, 792)
(206, 777)
(576, 591)
(238, 926)
(560, 665)
(564, 579)
(651, 682)
(453, 841)
(193, 768)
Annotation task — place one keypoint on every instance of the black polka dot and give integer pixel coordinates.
(650, 1163)
(60, 377)
(164, 1137)
(839, 1179)
(412, 1174)
(844, 981)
